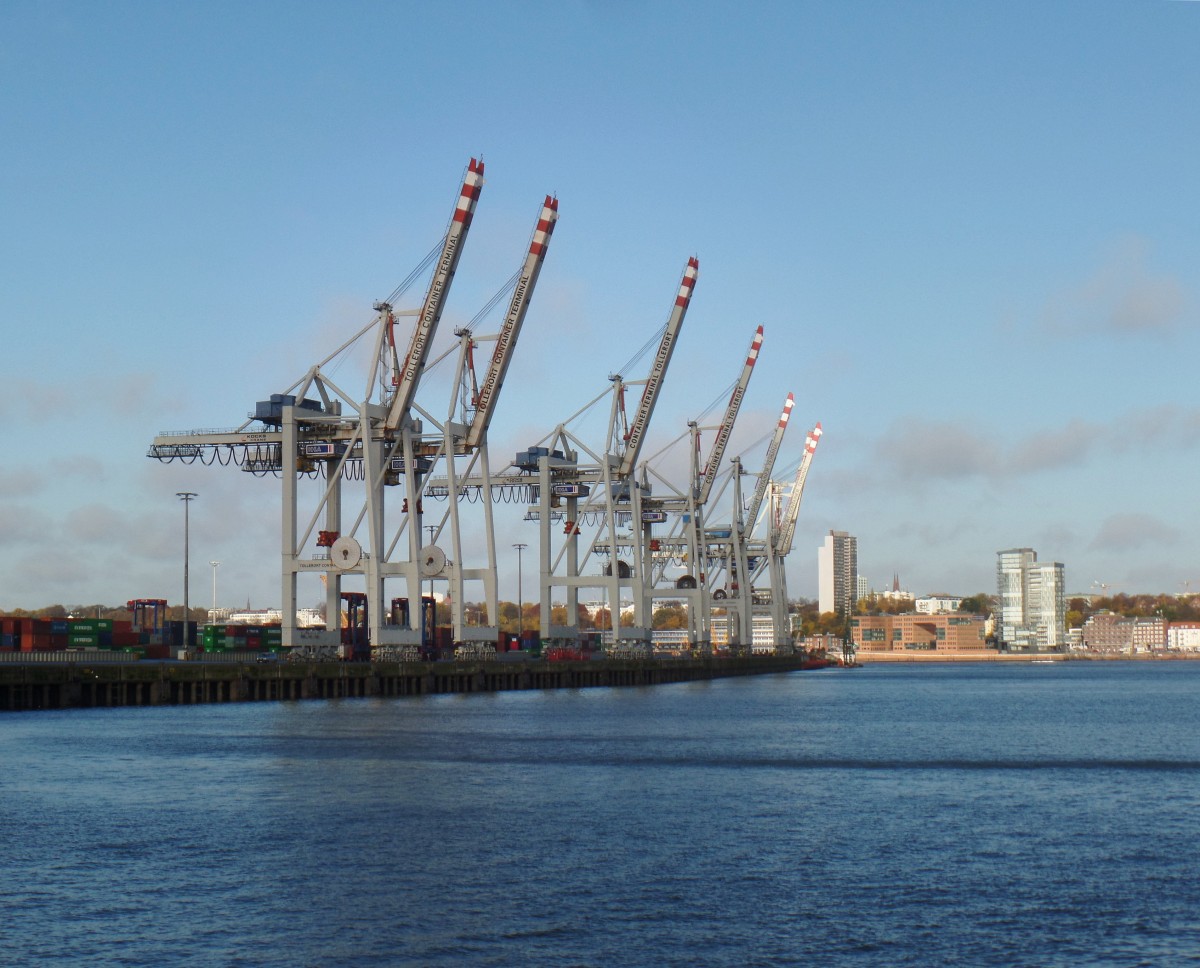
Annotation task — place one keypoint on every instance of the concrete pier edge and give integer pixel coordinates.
(81, 685)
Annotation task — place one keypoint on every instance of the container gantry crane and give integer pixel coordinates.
(686, 538)
(750, 556)
(600, 491)
(394, 453)
(318, 430)
(464, 435)
(779, 542)
(735, 559)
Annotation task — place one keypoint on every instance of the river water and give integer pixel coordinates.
(1037, 815)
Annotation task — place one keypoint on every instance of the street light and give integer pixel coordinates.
(520, 546)
(186, 497)
(214, 568)
(432, 529)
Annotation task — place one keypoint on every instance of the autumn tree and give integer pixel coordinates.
(874, 604)
(670, 615)
(979, 604)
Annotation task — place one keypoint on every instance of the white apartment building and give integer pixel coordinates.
(1183, 637)
(837, 573)
(936, 604)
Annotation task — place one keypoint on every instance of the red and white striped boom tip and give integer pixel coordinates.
(810, 442)
(545, 226)
(755, 346)
(787, 410)
(470, 192)
(688, 282)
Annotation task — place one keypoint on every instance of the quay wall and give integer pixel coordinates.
(72, 685)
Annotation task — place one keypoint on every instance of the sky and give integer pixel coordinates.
(968, 230)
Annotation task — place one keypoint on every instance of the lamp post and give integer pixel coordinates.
(432, 529)
(520, 546)
(186, 497)
(214, 568)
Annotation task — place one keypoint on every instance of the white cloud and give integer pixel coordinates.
(948, 450)
(915, 449)
(21, 482)
(1131, 531)
(1122, 296)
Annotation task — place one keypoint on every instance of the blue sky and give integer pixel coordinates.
(969, 231)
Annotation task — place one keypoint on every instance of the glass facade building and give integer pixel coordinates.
(1032, 598)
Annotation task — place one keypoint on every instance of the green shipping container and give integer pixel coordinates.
(91, 625)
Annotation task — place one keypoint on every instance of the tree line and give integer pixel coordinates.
(807, 620)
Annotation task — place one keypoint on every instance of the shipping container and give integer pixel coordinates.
(89, 625)
(42, 643)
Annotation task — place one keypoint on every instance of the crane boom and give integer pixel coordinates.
(731, 412)
(409, 374)
(507, 339)
(764, 478)
(633, 440)
(787, 528)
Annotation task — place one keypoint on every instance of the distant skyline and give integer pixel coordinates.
(968, 231)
